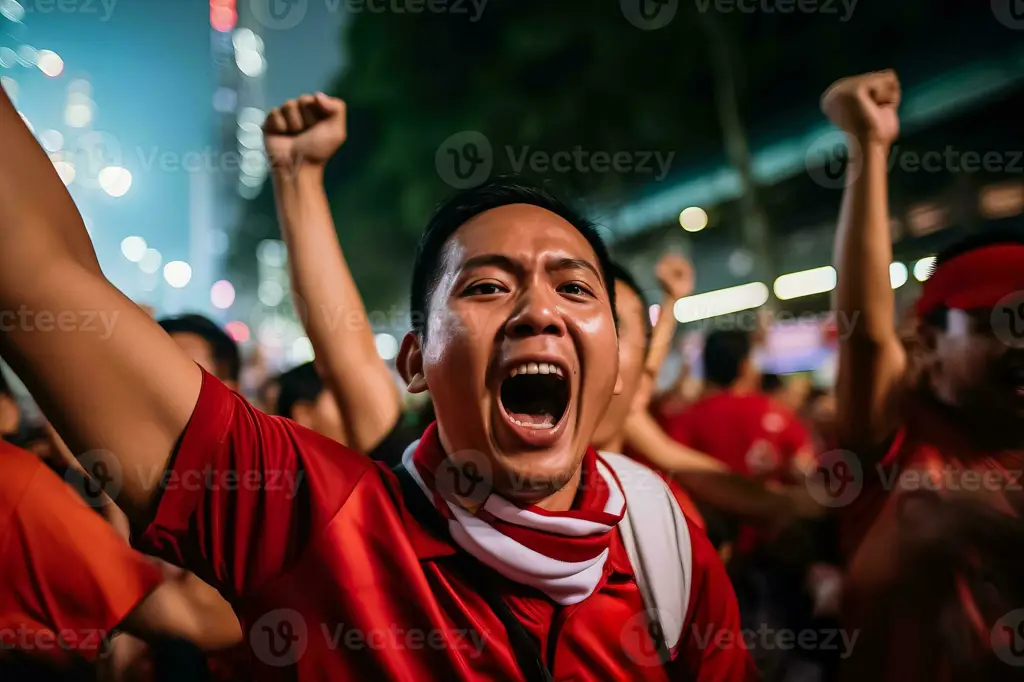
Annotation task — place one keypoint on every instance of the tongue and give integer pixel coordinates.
(527, 419)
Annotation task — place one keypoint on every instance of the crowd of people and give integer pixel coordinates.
(549, 515)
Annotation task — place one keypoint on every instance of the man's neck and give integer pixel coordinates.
(563, 498)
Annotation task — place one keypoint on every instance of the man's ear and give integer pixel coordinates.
(410, 363)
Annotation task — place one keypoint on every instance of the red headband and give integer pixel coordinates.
(977, 279)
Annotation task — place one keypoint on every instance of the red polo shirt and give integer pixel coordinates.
(332, 579)
(66, 578)
(749, 432)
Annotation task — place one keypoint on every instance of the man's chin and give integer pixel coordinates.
(528, 477)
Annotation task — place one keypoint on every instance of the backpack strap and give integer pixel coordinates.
(656, 535)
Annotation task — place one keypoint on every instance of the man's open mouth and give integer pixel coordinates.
(535, 395)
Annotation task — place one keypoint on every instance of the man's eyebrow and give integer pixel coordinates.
(493, 260)
(574, 264)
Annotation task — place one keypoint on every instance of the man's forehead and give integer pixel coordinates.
(521, 233)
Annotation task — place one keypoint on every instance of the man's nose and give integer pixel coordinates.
(536, 313)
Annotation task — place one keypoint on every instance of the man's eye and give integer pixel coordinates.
(575, 289)
(484, 289)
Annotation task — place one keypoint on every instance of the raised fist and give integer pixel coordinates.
(675, 275)
(865, 106)
(305, 130)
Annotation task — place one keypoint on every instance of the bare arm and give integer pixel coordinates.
(871, 358)
(711, 481)
(185, 607)
(675, 275)
(301, 136)
(100, 368)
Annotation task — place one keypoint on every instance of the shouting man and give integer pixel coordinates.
(337, 567)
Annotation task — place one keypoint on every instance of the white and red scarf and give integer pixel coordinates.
(562, 554)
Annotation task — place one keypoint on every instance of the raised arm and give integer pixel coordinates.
(301, 136)
(871, 358)
(100, 368)
(675, 275)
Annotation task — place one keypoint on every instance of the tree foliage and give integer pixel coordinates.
(553, 76)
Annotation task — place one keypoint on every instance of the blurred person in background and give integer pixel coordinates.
(66, 573)
(738, 424)
(303, 397)
(207, 345)
(945, 405)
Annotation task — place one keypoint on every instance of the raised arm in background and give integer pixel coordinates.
(675, 275)
(872, 360)
(108, 377)
(301, 136)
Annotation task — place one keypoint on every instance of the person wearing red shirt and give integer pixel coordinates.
(735, 422)
(69, 583)
(938, 412)
(496, 552)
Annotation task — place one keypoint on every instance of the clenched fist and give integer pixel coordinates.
(307, 130)
(865, 106)
(675, 275)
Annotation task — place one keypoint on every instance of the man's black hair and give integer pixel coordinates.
(724, 353)
(223, 348)
(300, 384)
(621, 274)
(770, 383)
(467, 204)
(979, 240)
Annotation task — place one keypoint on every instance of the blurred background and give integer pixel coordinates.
(684, 125)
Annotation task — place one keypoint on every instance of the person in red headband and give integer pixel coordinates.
(503, 548)
(941, 409)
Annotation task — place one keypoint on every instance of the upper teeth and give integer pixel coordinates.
(537, 368)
